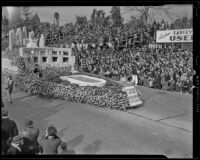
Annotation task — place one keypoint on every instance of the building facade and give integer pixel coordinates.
(60, 57)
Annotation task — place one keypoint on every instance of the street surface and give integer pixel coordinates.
(91, 130)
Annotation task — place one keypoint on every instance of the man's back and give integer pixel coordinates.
(31, 133)
(50, 145)
(8, 129)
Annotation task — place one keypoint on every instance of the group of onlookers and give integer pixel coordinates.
(25, 142)
(168, 68)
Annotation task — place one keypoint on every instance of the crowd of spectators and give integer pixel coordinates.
(95, 34)
(167, 68)
(26, 141)
(97, 50)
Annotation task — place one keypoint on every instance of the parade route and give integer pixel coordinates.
(92, 130)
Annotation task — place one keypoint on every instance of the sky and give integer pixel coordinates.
(68, 14)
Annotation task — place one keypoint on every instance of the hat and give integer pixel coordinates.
(17, 139)
(28, 123)
(4, 112)
(63, 145)
(51, 130)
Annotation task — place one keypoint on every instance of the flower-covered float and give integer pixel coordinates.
(110, 95)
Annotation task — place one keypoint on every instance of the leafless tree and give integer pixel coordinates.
(150, 13)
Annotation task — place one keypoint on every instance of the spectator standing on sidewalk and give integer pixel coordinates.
(14, 147)
(8, 130)
(9, 87)
(50, 142)
(30, 135)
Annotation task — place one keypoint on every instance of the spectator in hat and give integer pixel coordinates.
(64, 149)
(8, 130)
(30, 133)
(50, 142)
(14, 148)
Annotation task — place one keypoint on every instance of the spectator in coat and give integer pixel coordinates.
(14, 147)
(50, 142)
(63, 146)
(30, 134)
(8, 130)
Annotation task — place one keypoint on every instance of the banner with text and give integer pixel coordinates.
(132, 94)
(174, 36)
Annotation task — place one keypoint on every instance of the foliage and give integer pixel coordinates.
(183, 23)
(35, 19)
(27, 14)
(81, 20)
(116, 17)
(98, 18)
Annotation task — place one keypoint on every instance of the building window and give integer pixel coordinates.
(29, 60)
(65, 59)
(44, 59)
(35, 59)
(65, 53)
(42, 53)
(54, 52)
(54, 59)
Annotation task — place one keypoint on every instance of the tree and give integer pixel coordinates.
(27, 14)
(81, 20)
(133, 19)
(98, 18)
(4, 22)
(35, 19)
(116, 17)
(106, 21)
(149, 13)
(182, 23)
(56, 18)
(93, 16)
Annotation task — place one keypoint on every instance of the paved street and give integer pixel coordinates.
(162, 125)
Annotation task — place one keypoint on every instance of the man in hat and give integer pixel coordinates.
(63, 146)
(30, 133)
(8, 130)
(14, 148)
(50, 142)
